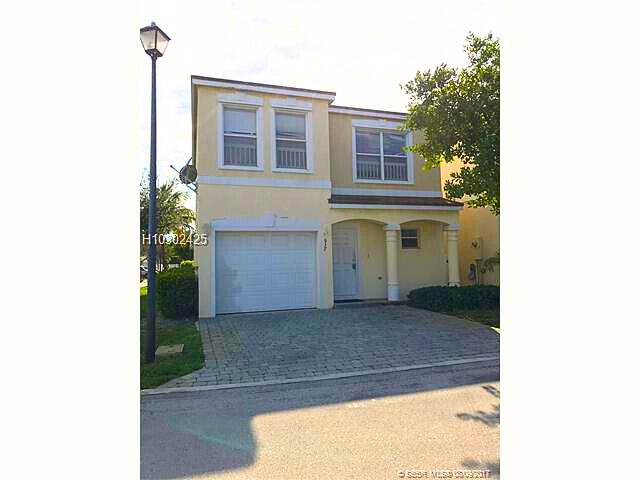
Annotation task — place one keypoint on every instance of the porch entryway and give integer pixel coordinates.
(373, 260)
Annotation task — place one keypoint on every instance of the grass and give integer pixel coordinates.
(169, 332)
(488, 316)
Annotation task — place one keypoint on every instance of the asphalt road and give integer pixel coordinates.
(387, 426)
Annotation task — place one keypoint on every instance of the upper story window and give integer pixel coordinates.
(291, 135)
(291, 140)
(240, 137)
(240, 131)
(379, 155)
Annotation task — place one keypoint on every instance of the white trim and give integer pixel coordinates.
(393, 292)
(308, 118)
(391, 227)
(291, 104)
(263, 89)
(385, 126)
(355, 227)
(393, 207)
(269, 222)
(259, 135)
(240, 98)
(263, 182)
(212, 274)
(451, 227)
(387, 182)
(377, 124)
(267, 229)
(410, 158)
(241, 167)
(386, 192)
(354, 165)
(367, 113)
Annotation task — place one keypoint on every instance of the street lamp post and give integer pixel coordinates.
(154, 41)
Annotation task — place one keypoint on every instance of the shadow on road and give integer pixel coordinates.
(490, 419)
(190, 434)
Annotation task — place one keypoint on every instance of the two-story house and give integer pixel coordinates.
(306, 203)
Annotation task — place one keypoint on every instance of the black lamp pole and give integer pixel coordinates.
(154, 42)
(151, 258)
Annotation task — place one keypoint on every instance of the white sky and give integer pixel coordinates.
(362, 50)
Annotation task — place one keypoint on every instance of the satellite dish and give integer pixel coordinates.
(188, 174)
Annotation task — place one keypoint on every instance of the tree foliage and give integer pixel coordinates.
(490, 263)
(172, 215)
(459, 113)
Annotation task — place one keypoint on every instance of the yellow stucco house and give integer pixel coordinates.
(307, 203)
(479, 239)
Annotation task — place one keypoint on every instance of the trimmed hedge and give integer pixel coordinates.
(178, 292)
(443, 299)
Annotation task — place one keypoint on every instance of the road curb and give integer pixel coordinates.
(333, 376)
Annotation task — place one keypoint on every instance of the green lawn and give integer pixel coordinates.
(169, 332)
(489, 317)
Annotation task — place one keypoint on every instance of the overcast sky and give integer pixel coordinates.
(362, 50)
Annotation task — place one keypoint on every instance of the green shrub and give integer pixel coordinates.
(188, 263)
(443, 299)
(178, 292)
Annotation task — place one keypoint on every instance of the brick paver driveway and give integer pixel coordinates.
(246, 348)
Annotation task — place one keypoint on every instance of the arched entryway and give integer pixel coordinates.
(377, 260)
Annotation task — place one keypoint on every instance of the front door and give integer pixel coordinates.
(345, 263)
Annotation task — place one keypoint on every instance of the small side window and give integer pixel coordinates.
(409, 238)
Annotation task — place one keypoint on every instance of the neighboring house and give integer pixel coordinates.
(307, 203)
(479, 239)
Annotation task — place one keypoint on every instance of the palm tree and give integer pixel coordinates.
(172, 216)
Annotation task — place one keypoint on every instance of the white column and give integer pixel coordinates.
(452, 251)
(393, 282)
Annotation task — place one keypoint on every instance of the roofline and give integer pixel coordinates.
(262, 87)
(377, 206)
(367, 112)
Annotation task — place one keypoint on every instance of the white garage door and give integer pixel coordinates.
(258, 271)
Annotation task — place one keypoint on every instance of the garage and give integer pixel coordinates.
(261, 271)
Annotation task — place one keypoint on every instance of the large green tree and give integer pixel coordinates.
(458, 110)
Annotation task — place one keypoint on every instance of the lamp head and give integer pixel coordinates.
(154, 40)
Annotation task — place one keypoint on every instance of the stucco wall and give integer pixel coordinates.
(475, 223)
(372, 259)
(232, 202)
(341, 154)
(478, 223)
(427, 265)
(207, 137)
(310, 206)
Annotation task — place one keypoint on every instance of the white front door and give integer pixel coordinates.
(345, 263)
(258, 271)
